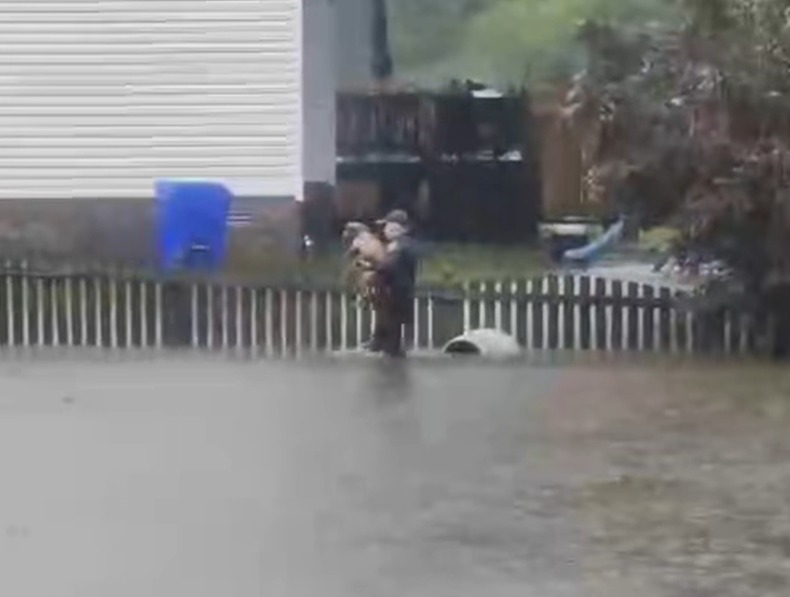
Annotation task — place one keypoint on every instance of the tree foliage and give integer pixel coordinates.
(693, 124)
(503, 42)
(428, 32)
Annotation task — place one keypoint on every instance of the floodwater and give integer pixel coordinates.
(188, 476)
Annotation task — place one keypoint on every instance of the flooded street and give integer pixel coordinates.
(184, 476)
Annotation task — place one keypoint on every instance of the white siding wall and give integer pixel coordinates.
(98, 98)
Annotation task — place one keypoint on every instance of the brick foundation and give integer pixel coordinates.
(124, 230)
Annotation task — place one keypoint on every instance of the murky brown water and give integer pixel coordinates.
(198, 477)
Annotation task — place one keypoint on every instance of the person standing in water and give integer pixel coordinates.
(395, 277)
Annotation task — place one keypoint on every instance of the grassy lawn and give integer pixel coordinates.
(459, 263)
(441, 265)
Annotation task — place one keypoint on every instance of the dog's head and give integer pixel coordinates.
(351, 232)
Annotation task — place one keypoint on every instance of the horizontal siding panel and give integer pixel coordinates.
(135, 125)
(109, 76)
(121, 109)
(34, 49)
(242, 183)
(184, 9)
(147, 91)
(154, 151)
(185, 160)
(53, 177)
(185, 57)
(102, 97)
(167, 130)
(73, 41)
(168, 97)
(134, 171)
(132, 27)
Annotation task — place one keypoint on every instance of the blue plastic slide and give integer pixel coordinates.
(594, 249)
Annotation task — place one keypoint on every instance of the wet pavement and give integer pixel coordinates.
(185, 476)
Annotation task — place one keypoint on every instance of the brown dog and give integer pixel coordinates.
(364, 249)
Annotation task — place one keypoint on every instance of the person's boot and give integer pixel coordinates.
(372, 346)
(396, 353)
(393, 347)
(375, 344)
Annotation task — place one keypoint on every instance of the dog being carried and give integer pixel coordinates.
(364, 251)
(382, 272)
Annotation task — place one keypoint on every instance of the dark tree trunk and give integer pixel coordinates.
(382, 66)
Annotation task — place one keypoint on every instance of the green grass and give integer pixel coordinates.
(443, 265)
(659, 239)
(451, 264)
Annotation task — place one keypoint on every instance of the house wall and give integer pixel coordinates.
(102, 97)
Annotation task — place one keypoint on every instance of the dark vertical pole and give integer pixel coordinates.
(601, 321)
(523, 325)
(569, 314)
(632, 302)
(553, 324)
(648, 318)
(585, 290)
(538, 322)
(666, 320)
(618, 309)
(381, 62)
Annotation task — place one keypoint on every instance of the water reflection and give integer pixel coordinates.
(389, 380)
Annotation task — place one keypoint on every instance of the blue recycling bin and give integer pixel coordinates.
(192, 223)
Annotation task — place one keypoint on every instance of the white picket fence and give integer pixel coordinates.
(117, 310)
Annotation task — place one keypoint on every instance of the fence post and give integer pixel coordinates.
(329, 321)
(632, 326)
(253, 292)
(648, 319)
(25, 306)
(430, 323)
(566, 329)
(586, 323)
(553, 336)
(540, 313)
(268, 308)
(619, 317)
(467, 323)
(10, 311)
(665, 320)
(602, 334)
(314, 321)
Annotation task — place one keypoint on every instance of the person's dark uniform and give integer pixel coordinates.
(396, 280)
